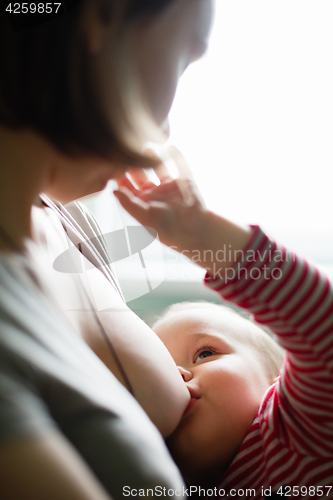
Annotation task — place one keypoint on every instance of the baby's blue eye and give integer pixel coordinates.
(204, 354)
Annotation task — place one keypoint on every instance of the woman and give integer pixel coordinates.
(79, 96)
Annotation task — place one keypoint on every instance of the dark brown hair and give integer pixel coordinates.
(47, 83)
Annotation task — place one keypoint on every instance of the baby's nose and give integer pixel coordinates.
(187, 375)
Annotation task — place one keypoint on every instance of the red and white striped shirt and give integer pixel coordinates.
(290, 443)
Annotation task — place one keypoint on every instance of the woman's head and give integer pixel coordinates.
(96, 79)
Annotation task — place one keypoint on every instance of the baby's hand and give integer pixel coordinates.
(174, 208)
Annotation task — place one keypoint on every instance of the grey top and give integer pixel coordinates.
(49, 378)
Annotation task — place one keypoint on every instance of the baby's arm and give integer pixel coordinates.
(290, 296)
(285, 293)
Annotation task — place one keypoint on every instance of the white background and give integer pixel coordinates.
(254, 118)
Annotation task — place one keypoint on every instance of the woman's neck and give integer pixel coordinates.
(24, 171)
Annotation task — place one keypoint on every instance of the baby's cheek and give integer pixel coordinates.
(243, 406)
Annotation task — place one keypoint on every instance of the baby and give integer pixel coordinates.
(227, 363)
(241, 430)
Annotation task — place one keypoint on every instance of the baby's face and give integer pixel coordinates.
(226, 381)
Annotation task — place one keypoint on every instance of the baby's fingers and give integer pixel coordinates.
(141, 178)
(159, 173)
(182, 165)
(127, 183)
(136, 207)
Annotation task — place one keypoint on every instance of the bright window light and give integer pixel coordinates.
(254, 118)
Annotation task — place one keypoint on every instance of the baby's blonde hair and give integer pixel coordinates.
(269, 352)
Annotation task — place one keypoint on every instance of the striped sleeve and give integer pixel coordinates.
(295, 301)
